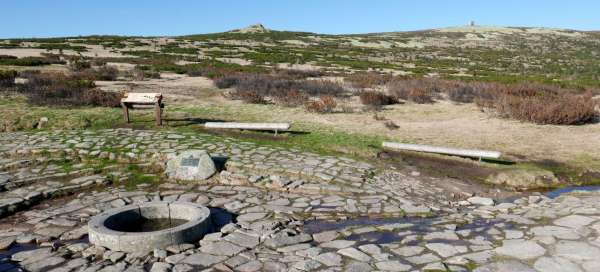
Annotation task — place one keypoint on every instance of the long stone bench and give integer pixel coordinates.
(249, 126)
(481, 154)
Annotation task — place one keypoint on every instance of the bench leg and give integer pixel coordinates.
(158, 113)
(125, 112)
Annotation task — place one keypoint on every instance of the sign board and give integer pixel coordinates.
(190, 161)
(141, 98)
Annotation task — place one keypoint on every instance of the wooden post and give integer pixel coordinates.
(125, 111)
(157, 112)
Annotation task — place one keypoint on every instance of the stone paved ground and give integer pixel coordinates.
(273, 210)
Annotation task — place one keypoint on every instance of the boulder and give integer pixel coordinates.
(191, 165)
(524, 178)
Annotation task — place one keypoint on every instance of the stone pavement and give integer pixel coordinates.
(273, 210)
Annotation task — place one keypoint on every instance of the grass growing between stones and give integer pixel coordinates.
(137, 177)
(307, 136)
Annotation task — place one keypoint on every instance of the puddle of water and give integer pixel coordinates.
(5, 263)
(556, 193)
(153, 224)
(378, 237)
(316, 226)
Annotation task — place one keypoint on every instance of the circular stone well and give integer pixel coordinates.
(151, 225)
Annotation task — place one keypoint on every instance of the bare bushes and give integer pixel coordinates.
(376, 100)
(544, 107)
(291, 98)
(141, 72)
(7, 78)
(53, 89)
(364, 80)
(298, 74)
(325, 104)
(282, 91)
(420, 91)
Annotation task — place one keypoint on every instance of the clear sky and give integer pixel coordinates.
(52, 18)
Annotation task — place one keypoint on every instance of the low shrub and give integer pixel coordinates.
(459, 92)
(28, 61)
(565, 109)
(364, 80)
(78, 64)
(227, 81)
(319, 87)
(326, 104)
(291, 98)
(375, 100)
(420, 91)
(52, 89)
(100, 98)
(108, 73)
(298, 74)
(7, 78)
(252, 97)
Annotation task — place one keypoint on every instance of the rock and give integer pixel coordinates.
(221, 248)
(250, 266)
(44, 264)
(505, 266)
(358, 267)
(77, 247)
(578, 251)
(203, 259)
(191, 165)
(555, 264)
(524, 178)
(257, 28)
(407, 251)
(338, 244)
(29, 255)
(325, 236)
(249, 217)
(423, 259)
(307, 265)
(330, 259)
(446, 250)
(159, 253)
(160, 267)
(116, 256)
(574, 221)
(179, 248)
(6, 242)
(392, 266)
(484, 201)
(354, 254)
(281, 240)
(42, 122)
(520, 249)
(555, 231)
(74, 234)
(229, 178)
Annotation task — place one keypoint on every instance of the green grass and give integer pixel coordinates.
(308, 136)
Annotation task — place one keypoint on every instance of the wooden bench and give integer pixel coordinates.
(131, 99)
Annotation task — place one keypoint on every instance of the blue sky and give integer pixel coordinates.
(52, 18)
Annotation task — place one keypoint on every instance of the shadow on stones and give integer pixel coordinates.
(180, 122)
(267, 135)
(220, 217)
(418, 226)
(220, 162)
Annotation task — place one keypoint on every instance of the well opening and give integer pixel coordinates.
(150, 225)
